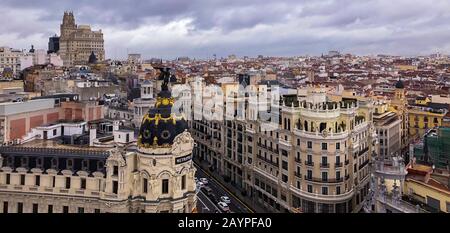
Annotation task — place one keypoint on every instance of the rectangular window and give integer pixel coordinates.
(309, 157)
(165, 186)
(338, 159)
(310, 189)
(53, 181)
(54, 132)
(8, 178)
(284, 178)
(145, 185)
(338, 145)
(20, 207)
(115, 170)
(5, 207)
(324, 146)
(284, 165)
(338, 175)
(309, 144)
(97, 211)
(50, 209)
(324, 176)
(38, 180)
(35, 208)
(22, 179)
(65, 209)
(83, 184)
(80, 210)
(324, 190)
(309, 174)
(338, 190)
(324, 160)
(115, 186)
(183, 182)
(67, 182)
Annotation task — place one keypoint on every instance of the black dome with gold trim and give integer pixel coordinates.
(160, 126)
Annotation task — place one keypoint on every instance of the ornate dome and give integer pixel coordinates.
(160, 126)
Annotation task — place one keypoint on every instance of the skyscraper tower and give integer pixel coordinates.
(78, 42)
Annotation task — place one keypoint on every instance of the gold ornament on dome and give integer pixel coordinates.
(164, 101)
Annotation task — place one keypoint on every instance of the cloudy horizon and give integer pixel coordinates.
(201, 28)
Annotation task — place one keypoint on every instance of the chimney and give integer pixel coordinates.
(92, 134)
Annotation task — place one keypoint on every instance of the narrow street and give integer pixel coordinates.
(205, 204)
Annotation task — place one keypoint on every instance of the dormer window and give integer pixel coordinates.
(69, 164)
(100, 165)
(10, 161)
(39, 162)
(24, 162)
(85, 165)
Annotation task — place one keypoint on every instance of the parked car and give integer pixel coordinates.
(225, 199)
(223, 206)
(204, 180)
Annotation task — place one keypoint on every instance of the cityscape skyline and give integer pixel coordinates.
(200, 29)
(224, 107)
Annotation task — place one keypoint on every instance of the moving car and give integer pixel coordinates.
(223, 206)
(200, 184)
(225, 199)
(207, 190)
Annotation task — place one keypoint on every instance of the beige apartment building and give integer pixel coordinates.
(10, 59)
(388, 128)
(314, 158)
(77, 43)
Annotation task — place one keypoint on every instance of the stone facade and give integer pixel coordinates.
(315, 159)
(149, 180)
(78, 42)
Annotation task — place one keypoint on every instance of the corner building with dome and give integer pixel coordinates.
(153, 174)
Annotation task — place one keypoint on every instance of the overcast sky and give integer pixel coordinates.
(201, 28)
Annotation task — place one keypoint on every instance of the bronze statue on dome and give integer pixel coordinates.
(165, 76)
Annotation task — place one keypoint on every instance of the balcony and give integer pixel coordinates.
(338, 164)
(286, 143)
(298, 160)
(298, 175)
(321, 180)
(347, 177)
(324, 165)
(318, 135)
(364, 164)
(309, 163)
(268, 161)
(347, 162)
(363, 151)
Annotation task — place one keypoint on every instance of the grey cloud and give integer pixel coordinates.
(252, 27)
